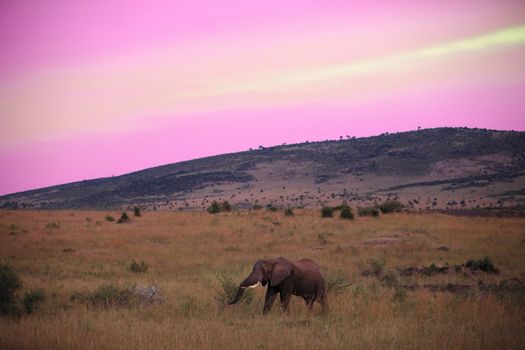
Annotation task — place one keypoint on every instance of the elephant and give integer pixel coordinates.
(301, 278)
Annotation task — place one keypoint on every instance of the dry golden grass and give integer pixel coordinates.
(186, 251)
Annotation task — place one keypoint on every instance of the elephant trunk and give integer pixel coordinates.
(251, 281)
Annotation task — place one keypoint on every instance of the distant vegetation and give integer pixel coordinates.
(368, 211)
(288, 212)
(138, 267)
(106, 296)
(33, 299)
(346, 213)
(327, 212)
(391, 206)
(270, 207)
(217, 207)
(123, 218)
(408, 158)
(10, 283)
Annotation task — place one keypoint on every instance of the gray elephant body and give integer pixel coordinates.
(285, 278)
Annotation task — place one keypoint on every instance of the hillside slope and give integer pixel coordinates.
(432, 168)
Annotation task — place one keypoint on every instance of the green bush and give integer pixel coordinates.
(257, 207)
(226, 206)
(327, 212)
(336, 283)
(136, 211)
(107, 295)
(270, 207)
(377, 266)
(123, 218)
(10, 283)
(346, 213)
(228, 289)
(52, 226)
(214, 208)
(32, 299)
(288, 212)
(136, 267)
(390, 206)
(110, 218)
(430, 270)
(400, 294)
(368, 211)
(485, 265)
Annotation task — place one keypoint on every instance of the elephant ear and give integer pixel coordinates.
(280, 271)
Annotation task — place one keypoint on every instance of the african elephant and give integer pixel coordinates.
(302, 278)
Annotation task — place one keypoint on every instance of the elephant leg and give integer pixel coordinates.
(285, 299)
(271, 294)
(324, 303)
(310, 303)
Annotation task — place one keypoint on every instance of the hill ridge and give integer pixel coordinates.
(482, 165)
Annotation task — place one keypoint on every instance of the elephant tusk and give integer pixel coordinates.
(254, 285)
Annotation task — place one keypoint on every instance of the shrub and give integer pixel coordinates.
(123, 218)
(400, 294)
(257, 207)
(229, 287)
(346, 213)
(107, 295)
(368, 211)
(10, 283)
(288, 212)
(271, 208)
(430, 270)
(322, 238)
(32, 299)
(52, 226)
(336, 283)
(377, 266)
(226, 206)
(485, 265)
(214, 208)
(110, 218)
(390, 206)
(136, 267)
(136, 211)
(327, 212)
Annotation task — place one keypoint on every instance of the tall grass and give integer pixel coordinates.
(196, 271)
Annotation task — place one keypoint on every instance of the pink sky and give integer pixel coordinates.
(94, 89)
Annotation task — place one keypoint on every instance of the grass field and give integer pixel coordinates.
(188, 255)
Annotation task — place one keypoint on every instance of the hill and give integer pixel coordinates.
(443, 168)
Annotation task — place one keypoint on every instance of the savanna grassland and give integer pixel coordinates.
(192, 256)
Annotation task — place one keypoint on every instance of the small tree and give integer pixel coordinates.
(226, 206)
(346, 213)
(368, 211)
(9, 284)
(214, 208)
(327, 212)
(136, 267)
(32, 299)
(390, 206)
(136, 211)
(123, 218)
(288, 212)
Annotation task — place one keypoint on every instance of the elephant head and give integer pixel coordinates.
(264, 272)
